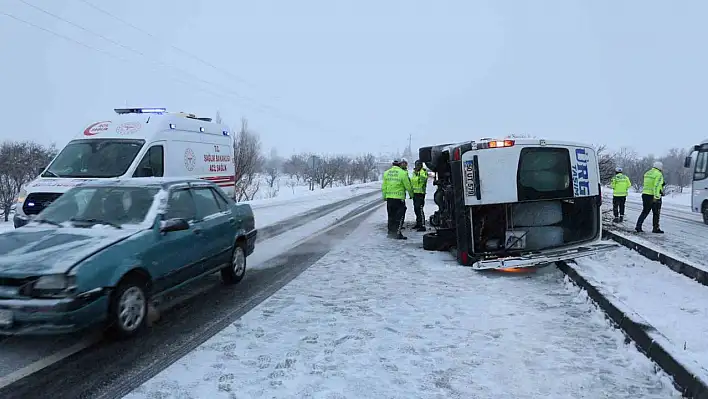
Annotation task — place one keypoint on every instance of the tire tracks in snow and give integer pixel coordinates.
(91, 346)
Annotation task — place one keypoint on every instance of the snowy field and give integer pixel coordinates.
(272, 210)
(676, 200)
(285, 187)
(385, 319)
(675, 305)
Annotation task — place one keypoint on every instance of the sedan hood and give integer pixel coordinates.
(32, 251)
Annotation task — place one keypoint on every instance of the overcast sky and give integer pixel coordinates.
(361, 75)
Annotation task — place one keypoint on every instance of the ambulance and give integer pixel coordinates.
(137, 142)
(508, 204)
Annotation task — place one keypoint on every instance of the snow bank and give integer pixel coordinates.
(6, 226)
(285, 187)
(676, 306)
(384, 318)
(273, 210)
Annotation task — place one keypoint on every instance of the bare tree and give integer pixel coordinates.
(297, 166)
(20, 163)
(365, 167)
(329, 168)
(606, 163)
(272, 171)
(217, 118)
(674, 172)
(248, 162)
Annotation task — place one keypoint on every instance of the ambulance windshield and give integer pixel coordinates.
(95, 158)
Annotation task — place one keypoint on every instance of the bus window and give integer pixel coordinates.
(701, 171)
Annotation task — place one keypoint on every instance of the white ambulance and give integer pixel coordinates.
(515, 203)
(137, 142)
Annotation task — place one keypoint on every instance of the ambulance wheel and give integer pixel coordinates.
(438, 241)
(705, 212)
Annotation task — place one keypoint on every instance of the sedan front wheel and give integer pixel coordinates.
(236, 270)
(128, 311)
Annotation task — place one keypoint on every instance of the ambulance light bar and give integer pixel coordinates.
(122, 111)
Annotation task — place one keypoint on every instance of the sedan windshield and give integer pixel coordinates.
(95, 158)
(110, 206)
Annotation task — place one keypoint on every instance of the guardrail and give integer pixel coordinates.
(686, 381)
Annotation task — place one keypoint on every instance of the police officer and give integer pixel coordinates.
(651, 197)
(396, 183)
(620, 188)
(419, 182)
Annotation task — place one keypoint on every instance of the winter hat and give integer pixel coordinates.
(658, 165)
(618, 169)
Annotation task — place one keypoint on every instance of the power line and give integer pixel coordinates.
(67, 38)
(140, 53)
(185, 52)
(243, 99)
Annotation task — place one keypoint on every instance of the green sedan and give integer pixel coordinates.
(103, 251)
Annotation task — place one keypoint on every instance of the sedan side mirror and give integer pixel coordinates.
(173, 225)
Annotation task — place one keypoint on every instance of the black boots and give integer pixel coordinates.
(397, 236)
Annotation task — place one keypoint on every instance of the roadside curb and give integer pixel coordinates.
(689, 384)
(672, 263)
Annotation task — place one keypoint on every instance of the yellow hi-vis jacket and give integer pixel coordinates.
(653, 183)
(620, 185)
(419, 181)
(396, 183)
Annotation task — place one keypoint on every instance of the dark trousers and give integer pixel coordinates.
(418, 203)
(618, 206)
(649, 205)
(396, 209)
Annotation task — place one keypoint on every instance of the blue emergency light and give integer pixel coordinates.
(226, 133)
(121, 111)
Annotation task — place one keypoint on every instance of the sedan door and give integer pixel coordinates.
(218, 239)
(178, 255)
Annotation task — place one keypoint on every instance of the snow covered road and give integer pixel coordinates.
(21, 356)
(686, 236)
(674, 305)
(385, 319)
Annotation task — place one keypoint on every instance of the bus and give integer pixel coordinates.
(699, 186)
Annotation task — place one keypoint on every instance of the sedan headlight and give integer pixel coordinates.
(52, 286)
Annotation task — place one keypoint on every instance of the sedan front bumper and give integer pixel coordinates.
(53, 316)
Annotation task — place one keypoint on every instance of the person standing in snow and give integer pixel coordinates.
(396, 183)
(620, 188)
(651, 197)
(419, 181)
